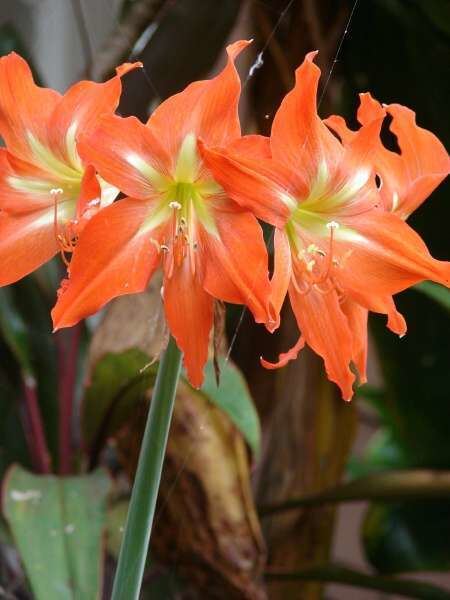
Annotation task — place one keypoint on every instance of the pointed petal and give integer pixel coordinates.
(357, 321)
(237, 264)
(380, 253)
(299, 138)
(126, 154)
(79, 110)
(27, 241)
(255, 184)
(189, 313)
(281, 273)
(23, 186)
(209, 109)
(325, 329)
(25, 108)
(114, 256)
(285, 357)
(396, 321)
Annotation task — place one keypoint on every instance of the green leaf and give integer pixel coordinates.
(117, 383)
(233, 397)
(413, 536)
(57, 525)
(436, 292)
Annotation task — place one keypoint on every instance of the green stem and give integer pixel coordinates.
(336, 574)
(133, 552)
(414, 484)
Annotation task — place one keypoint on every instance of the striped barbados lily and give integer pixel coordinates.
(175, 215)
(338, 251)
(47, 192)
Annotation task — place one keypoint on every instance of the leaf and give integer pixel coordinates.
(408, 537)
(118, 382)
(233, 397)
(436, 292)
(57, 526)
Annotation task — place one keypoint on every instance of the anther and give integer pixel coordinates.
(164, 248)
(56, 191)
(175, 205)
(333, 225)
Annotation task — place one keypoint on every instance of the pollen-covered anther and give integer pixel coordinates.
(56, 191)
(164, 248)
(175, 205)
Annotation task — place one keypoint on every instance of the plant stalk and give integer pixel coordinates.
(133, 552)
(38, 443)
(412, 484)
(68, 361)
(338, 574)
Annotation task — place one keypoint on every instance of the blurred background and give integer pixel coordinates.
(236, 454)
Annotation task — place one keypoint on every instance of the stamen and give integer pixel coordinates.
(175, 205)
(333, 225)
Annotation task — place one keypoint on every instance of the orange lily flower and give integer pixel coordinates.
(47, 192)
(175, 215)
(338, 252)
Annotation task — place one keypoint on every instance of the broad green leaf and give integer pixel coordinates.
(413, 536)
(233, 397)
(436, 292)
(57, 525)
(117, 383)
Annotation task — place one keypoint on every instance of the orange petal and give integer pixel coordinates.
(189, 313)
(25, 108)
(237, 264)
(88, 202)
(114, 256)
(27, 241)
(79, 110)
(209, 109)
(251, 146)
(299, 138)
(285, 357)
(23, 186)
(357, 321)
(255, 184)
(381, 254)
(126, 154)
(281, 273)
(424, 162)
(326, 330)
(337, 124)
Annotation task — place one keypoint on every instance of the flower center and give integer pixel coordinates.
(186, 202)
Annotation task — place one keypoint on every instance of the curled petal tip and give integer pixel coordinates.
(126, 67)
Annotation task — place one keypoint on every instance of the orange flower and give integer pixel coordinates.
(47, 192)
(176, 216)
(338, 252)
